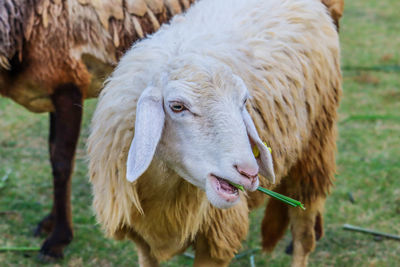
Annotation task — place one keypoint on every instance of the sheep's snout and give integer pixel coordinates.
(249, 175)
(247, 170)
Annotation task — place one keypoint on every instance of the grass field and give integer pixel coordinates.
(368, 165)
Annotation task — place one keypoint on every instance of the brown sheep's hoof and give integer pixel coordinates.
(45, 226)
(43, 258)
(52, 249)
(49, 252)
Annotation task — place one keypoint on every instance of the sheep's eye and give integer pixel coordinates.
(177, 107)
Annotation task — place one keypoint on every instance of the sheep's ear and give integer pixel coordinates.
(149, 124)
(264, 159)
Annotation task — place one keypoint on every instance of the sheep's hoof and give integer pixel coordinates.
(43, 258)
(289, 248)
(45, 226)
(52, 249)
(51, 252)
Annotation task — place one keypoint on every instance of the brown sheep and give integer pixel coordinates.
(172, 130)
(43, 49)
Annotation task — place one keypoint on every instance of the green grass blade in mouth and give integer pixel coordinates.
(290, 201)
(287, 200)
(238, 186)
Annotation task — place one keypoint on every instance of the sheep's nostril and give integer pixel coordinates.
(248, 171)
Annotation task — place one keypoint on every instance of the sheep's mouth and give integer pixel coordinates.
(224, 189)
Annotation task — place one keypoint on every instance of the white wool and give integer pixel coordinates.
(235, 32)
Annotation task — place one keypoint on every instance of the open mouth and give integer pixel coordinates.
(224, 189)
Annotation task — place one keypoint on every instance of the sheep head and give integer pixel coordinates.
(194, 118)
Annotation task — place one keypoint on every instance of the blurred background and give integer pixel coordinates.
(366, 192)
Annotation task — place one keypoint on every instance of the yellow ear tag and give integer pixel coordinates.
(256, 152)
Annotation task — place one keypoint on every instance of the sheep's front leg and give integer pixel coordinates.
(146, 258)
(203, 256)
(64, 132)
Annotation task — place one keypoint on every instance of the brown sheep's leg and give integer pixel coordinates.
(65, 127)
(306, 228)
(46, 224)
(203, 256)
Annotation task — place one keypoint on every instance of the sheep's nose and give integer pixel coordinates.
(247, 170)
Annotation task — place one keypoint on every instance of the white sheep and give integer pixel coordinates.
(180, 114)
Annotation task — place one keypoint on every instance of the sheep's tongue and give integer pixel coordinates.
(226, 187)
(223, 189)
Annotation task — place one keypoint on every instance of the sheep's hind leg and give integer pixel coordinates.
(306, 227)
(45, 226)
(65, 127)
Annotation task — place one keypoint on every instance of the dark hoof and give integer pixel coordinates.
(52, 249)
(45, 226)
(50, 253)
(44, 258)
(289, 248)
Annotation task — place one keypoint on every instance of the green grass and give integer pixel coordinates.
(368, 166)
